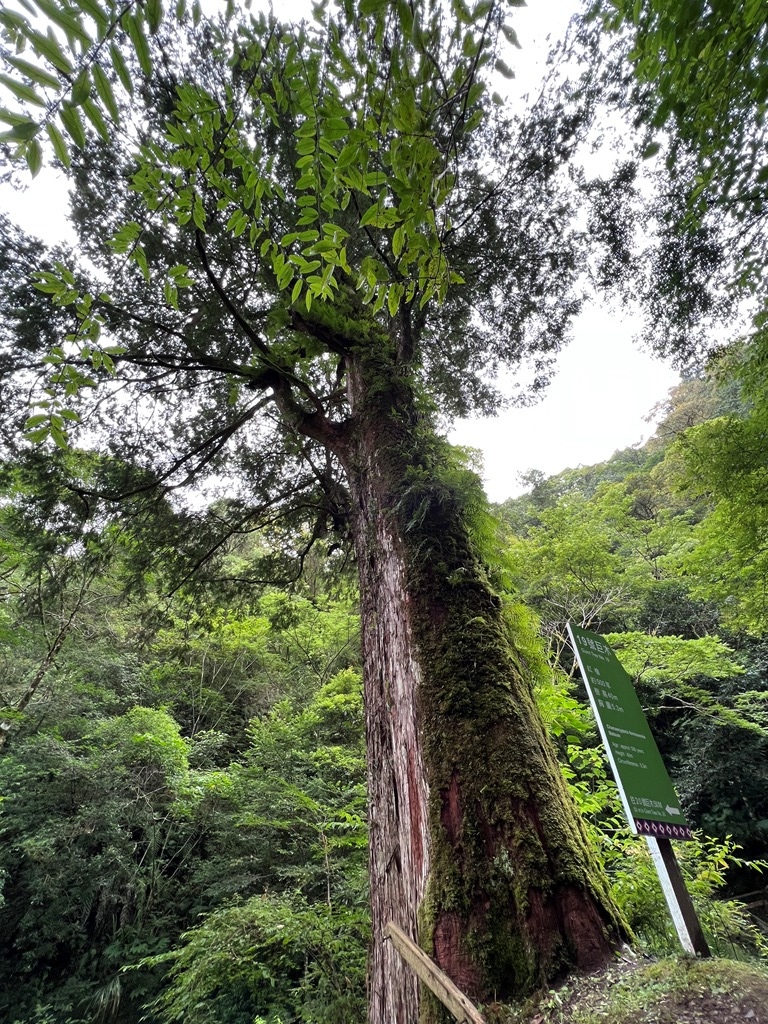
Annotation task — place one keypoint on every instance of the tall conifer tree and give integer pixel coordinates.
(308, 241)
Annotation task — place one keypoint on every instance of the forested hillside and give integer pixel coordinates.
(274, 675)
(660, 548)
(184, 815)
(194, 762)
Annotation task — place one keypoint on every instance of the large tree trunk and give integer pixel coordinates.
(476, 849)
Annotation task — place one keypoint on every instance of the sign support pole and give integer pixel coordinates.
(678, 898)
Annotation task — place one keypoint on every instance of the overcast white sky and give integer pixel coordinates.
(604, 387)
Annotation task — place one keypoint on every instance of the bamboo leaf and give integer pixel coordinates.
(504, 69)
(60, 147)
(511, 36)
(72, 121)
(34, 156)
(93, 114)
(154, 12)
(13, 21)
(48, 46)
(96, 12)
(81, 90)
(22, 91)
(121, 69)
(22, 131)
(38, 75)
(105, 93)
(135, 29)
(65, 19)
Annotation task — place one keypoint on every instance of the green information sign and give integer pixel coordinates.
(649, 798)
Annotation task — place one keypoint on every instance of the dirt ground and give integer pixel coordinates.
(637, 990)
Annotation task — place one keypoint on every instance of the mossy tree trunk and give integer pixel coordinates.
(476, 849)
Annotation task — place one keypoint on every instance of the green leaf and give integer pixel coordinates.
(71, 120)
(95, 11)
(651, 150)
(503, 68)
(93, 114)
(81, 90)
(14, 117)
(105, 93)
(154, 13)
(135, 29)
(380, 216)
(171, 293)
(335, 128)
(14, 21)
(22, 91)
(198, 213)
(23, 131)
(60, 147)
(511, 36)
(65, 19)
(397, 241)
(35, 421)
(140, 258)
(35, 73)
(121, 69)
(369, 216)
(307, 129)
(59, 436)
(34, 156)
(48, 47)
(348, 155)
(125, 237)
(39, 434)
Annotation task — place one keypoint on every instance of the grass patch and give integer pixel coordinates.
(675, 990)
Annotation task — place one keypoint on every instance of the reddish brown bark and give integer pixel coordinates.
(476, 851)
(397, 789)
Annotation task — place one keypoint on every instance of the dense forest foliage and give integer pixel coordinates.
(184, 814)
(274, 674)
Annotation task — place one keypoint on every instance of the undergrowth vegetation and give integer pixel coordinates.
(183, 820)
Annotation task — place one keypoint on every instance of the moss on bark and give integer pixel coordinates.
(514, 896)
(510, 859)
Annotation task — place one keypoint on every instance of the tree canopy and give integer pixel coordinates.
(303, 244)
(299, 247)
(692, 78)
